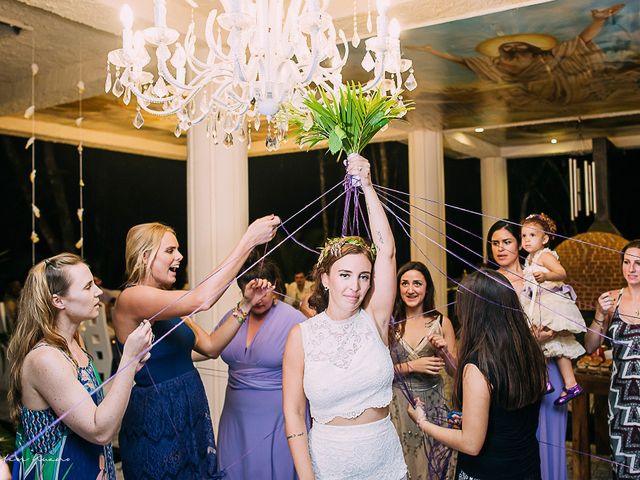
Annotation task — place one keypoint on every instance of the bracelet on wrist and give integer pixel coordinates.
(599, 322)
(239, 314)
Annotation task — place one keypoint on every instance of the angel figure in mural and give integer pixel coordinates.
(531, 67)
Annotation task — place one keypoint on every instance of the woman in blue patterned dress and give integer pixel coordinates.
(51, 375)
(167, 432)
(618, 314)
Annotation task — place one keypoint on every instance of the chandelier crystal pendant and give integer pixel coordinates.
(271, 56)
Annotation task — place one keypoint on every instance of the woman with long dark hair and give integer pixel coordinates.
(500, 381)
(420, 339)
(504, 247)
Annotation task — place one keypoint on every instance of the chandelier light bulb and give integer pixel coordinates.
(394, 29)
(160, 13)
(126, 17)
(383, 6)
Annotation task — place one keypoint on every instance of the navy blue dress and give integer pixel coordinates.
(167, 430)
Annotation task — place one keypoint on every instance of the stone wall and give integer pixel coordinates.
(592, 270)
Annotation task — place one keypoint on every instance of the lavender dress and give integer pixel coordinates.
(552, 430)
(251, 438)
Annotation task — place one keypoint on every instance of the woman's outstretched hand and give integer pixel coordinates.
(262, 230)
(359, 167)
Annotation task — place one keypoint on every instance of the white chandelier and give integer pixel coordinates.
(269, 58)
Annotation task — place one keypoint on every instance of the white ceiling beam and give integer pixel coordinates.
(545, 149)
(469, 145)
(626, 141)
(55, 132)
(549, 121)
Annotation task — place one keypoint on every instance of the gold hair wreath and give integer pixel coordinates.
(333, 246)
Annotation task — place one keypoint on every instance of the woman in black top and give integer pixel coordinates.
(499, 384)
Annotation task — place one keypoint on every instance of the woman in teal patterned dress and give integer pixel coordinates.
(618, 314)
(51, 375)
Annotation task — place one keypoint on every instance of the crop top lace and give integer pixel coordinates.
(347, 367)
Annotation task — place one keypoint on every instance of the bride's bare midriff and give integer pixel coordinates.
(368, 416)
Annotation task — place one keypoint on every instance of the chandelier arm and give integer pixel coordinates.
(239, 68)
(231, 93)
(313, 66)
(197, 65)
(164, 113)
(189, 50)
(345, 57)
(197, 120)
(219, 53)
(157, 100)
(158, 113)
(237, 98)
(193, 84)
(244, 104)
(217, 50)
(379, 76)
(193, 64)
(166, 74)
(208, 34)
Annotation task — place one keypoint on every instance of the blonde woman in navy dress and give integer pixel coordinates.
(167, 432)
(339, 360)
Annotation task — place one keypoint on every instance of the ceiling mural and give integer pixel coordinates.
(557, 59)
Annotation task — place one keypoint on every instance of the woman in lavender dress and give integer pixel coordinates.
(504, 244)
(251, 439)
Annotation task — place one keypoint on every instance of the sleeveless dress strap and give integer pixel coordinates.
(619, 297)
(66, 355)
(615, 311)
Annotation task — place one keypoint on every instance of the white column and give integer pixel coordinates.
(495, 193)
(218, 214)
(426, 179)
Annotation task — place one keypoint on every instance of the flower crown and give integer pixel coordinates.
(333, 246)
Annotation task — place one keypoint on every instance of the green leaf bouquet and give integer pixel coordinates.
(348, 120)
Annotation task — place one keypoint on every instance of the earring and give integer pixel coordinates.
(326, 289)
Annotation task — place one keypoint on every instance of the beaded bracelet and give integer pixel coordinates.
(239, 314)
